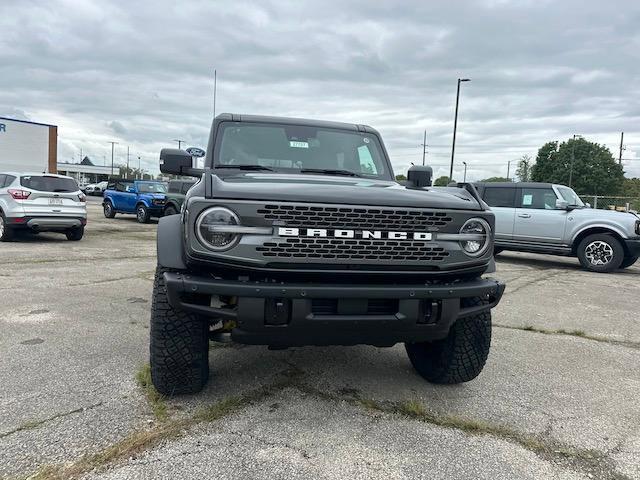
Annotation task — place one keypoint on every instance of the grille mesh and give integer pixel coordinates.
(313, 216)
(353, 249)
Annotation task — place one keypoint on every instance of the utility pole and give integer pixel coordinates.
(464, 180)
(80, 154)
(424, 148)
(508, 169)
(126, 175)
(139, 169)
(573, 157)
(215, 82)
(112, 144)
(621, 148)
(455, 125)
(180, 142)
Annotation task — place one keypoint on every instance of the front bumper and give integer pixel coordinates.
(633, 247)
(293, 314)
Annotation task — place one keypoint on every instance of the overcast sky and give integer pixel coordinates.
(141, 73)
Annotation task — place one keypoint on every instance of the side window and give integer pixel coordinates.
(3, 179)
(367, 165)
(174, 186)
(538, 198)
(122, 186)
(10, 179)
(500, 197)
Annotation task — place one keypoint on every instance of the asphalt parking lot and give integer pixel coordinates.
(559, 397)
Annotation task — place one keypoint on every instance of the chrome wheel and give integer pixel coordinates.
(598, 253)
(1, 226)
(141, 214)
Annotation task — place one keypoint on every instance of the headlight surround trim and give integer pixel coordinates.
(487, 242)
(234, 238)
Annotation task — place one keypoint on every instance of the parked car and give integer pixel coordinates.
(176, 194)
(41, 203)
(145, 199)
(96, 189)
(298, 234)
(549, 218)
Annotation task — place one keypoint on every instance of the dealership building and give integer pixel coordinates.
(28, 146)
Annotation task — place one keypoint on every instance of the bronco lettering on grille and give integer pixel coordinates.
(366, 234)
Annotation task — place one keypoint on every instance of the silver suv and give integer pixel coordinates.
(41, 203)
(548, 218)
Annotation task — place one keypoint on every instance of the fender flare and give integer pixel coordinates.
(169, 243)
(601, 226)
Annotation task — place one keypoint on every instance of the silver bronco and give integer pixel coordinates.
(549, 218)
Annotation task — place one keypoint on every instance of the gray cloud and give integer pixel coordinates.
(540, 71)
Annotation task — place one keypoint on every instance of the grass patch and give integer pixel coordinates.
(156, 400)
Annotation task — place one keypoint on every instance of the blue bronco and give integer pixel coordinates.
(144, 198)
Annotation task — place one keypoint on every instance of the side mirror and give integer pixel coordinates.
(588, 205)
(175, 162)
(563, 205)
(419, 176)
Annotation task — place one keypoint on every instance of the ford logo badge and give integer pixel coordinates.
(195, 152)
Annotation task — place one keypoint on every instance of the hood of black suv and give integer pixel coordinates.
(313, 188)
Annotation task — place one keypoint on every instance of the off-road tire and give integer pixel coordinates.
(142, 214)
(75, 234)
(616, 258)
(628, 261)
(170, 210)
(461, 355)
(6, 232)
(179, 347)
(108, 210)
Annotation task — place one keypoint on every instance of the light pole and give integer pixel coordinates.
(139, 171)
(509, 169)
(455, 125)
(464, 180)
(180, 142)
(424, 148)
(573, 157)
(112, 144)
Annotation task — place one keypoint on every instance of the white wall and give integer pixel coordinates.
(24, 147)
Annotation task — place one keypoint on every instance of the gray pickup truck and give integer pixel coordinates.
(298, 234)
(548, 218)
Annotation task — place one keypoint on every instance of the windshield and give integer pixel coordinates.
(297, 148)
(49, 184)
(152, 188)
(570, 196)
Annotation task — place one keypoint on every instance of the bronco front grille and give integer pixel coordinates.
(316, 216)
(353, 249)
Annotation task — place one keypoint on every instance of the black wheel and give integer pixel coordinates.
(108, 210)
(179, 348)
(75, 234)
(460, 356)
(628, 261)
(170, 210)
(600, 253)
(6, 232)
(142, 214)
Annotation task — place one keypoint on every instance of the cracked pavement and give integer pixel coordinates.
(74, 318)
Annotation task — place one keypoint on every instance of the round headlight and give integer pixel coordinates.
(481, 231)
(215, 217)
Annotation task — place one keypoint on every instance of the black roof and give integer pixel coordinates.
(514, 184)
(235, 117)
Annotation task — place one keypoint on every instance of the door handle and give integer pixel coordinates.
(524, 215)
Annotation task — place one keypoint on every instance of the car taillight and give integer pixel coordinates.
(19, 194)
(82, 197)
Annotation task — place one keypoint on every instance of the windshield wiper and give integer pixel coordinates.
(246, 167)
(329, 171)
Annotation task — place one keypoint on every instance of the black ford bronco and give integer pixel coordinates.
(298, 234)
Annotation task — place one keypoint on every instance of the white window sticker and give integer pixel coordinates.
(527, 200)
(293, 144)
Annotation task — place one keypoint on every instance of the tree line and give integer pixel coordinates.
(588, 167)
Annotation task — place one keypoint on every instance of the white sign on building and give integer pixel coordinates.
(28, 146)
